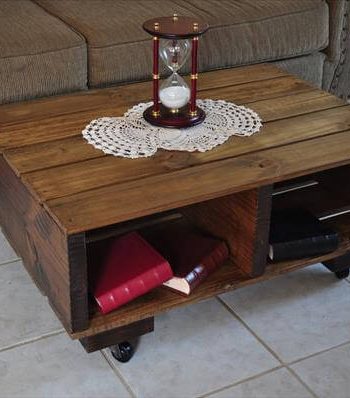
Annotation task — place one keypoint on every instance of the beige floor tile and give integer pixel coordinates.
(6, 251)
(277, 384)
(296, 314)
(327, 374)
(194, 350)
(57, 367)
(25, 313)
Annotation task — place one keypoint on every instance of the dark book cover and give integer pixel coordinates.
(192, 255)
(297, 233)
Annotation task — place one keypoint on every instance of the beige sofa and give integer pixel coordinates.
(50, 47)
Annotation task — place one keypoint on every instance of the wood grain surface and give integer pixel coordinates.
(64, 105)
(96, 208)
(47, 252)
(56, 127)
(74, 149)
(86, 175)
(242, 220)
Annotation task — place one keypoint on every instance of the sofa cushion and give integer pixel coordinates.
(252, 31)
(118, 48)
(40, 55)
(242, 31)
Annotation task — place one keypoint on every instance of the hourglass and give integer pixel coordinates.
(174, 102)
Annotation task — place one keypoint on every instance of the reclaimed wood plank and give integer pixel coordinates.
(75, 149)
(295, 104)
(51, 154)
(57, 127)
(242, 220)
(23, 112)
(97, 208)
(86, 175)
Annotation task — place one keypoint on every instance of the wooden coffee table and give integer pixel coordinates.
(60, 197)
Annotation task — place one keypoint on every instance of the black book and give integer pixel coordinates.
(296, 233)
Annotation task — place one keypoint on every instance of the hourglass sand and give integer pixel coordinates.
(174, 104)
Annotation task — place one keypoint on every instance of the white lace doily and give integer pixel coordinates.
(132, 137)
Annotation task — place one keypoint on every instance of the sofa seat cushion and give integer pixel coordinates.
(242, 31)
(40, 55)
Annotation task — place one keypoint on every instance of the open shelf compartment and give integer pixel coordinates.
(326, 195)
(242, 220)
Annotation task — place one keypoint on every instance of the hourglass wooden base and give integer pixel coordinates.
(168, 118)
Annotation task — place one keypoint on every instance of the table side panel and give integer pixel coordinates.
(44, 248)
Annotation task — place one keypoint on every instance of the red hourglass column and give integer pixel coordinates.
(155, 111)
(194, 77)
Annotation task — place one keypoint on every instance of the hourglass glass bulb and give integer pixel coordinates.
(174, 53)
(174, 92)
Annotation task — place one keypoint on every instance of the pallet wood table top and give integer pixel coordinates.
(305, 130)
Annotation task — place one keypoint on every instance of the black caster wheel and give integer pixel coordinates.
(122, 352)
(343, 273)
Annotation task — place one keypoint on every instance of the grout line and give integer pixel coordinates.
(240, 382)
(291, 371)
(11, 261)
(32, 340)
(318, 353)
(119, 374)
(267, 347)
(261, 341)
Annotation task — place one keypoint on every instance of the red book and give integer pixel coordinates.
(193, 256)
(132, 268)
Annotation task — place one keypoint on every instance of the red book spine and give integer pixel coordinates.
(208, 265)
(134, 288)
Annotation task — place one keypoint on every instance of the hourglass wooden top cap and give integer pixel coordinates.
(175, 27)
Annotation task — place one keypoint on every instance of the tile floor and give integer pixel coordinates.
(286, 338)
